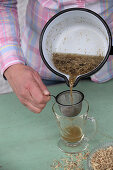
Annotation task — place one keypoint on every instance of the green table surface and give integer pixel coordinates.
(28, 141)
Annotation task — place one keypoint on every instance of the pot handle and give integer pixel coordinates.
(111, 52)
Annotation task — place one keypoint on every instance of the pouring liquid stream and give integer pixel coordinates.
(74, 65)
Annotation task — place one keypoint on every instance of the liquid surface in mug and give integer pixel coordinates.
(72, 134)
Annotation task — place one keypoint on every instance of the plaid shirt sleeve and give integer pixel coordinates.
(106, 11)
(10, 48)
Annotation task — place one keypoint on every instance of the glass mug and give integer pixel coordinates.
(75, 126)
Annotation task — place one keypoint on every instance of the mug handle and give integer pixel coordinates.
(86, 115)
(111, 52)
(90, 128)
(90, 125)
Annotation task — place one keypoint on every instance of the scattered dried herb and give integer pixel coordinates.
(70, 162)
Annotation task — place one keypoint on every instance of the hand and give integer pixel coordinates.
(28, 86)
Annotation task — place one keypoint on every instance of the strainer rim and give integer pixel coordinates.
(82, 97)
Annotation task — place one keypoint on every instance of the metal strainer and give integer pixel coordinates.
(68, 106)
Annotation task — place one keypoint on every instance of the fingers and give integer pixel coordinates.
(33, 97)
(35, 109)
(35, 106)
(37, 95)
(28, 86)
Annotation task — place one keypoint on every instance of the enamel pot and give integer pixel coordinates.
(79, 31)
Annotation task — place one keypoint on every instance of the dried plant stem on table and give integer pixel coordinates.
(70, 162)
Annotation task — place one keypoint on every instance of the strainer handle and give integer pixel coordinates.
(52, 96)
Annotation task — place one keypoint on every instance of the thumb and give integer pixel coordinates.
(41, 85)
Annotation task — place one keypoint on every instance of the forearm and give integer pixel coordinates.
(10, 49)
